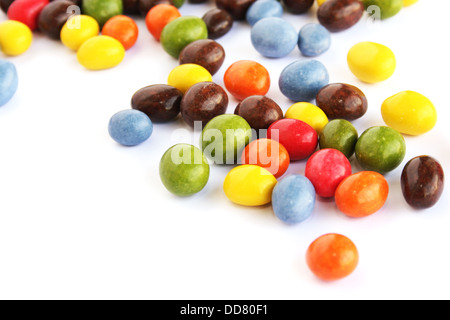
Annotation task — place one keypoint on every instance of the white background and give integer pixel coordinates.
(82, 217)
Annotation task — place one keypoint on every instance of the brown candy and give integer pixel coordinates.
(4, 5)
(236, 8)
(144, 6)
(298, 6)
(53, 17)
(218, 22)
(339, 15)
(130, 6)
(259, 111)
(206, 53)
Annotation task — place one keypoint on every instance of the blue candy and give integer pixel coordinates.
(9, 81)
(274, 37)
(302, 80)
(130, 127)
(313, 40)
(263, 9)
(293, 199)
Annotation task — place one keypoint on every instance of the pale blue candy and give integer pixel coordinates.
(313, 40)
(9, 81)
(130, 127)
(293, 199)
(263, 9)
(302, 79)
(274, 37)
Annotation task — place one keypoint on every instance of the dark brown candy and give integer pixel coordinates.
(339, 15)
(4, 5)
(130, 6)
(298, 6)
(160, 102)
(197, 1)
(144, 6)
(206, 53)
(342, 101)
(422, 182)
(218, 22)
(259, 111)
(202, 102)
(236, 8)
(53, 17)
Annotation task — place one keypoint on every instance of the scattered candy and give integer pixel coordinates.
(339, 134)
(263, 9)
(8, 81)
(122, 28)
(313, 40)
(15, 37)
(77, 30)
(27, 12)
(387, 8)
(259, 111)
(100, 52)
(340, 15)
(309, 113)
(130, 127)
(207, 53)
(185, 76)
(159, 16)
(218, 22)
(102, 10)
(53, 17)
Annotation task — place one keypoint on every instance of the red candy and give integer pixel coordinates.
(27, 11)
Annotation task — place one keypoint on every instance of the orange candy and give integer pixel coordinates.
(332, 257)
(362, 194)
(159, 16)
(269, 154)
(122, 28)
(247, 78)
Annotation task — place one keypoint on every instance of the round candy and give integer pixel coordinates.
(185, 76)
(371, 62)
(269, 154)
(326, 169)
(339, 15)
(249, 185)
(274, 37)
(293, 199)
(387, 8)
(77, 30)
(422, 182)
(362, 194)
(102, 10)
(263, 9)
(224, 137)
(53, 17)
(339, 134)
(313, 40)
(332, 257)
(409, 112)
(160, 102)
(8, 81)
(259, 111)
(298, 137)
(184, 170)
(130, 127)
(15, 37)
(207, 53)
(380, 149)
(302, 79)
(298, 6)
(122, 28)
(27, 11)
(247, 78)
(218, 23)
(309, 113)
(178, 33)
(159, 16)
(100, 52)
(236, 8)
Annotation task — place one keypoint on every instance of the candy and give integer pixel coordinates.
(160, 102)
(387, 8)
(298, 6)
(267, 153)
(340, 15)
(224, 138)
(245, 78)
(422, 182)
(27, 11)
(409, 112)
(144, 6)
(259, 111)
(184, 170)
(236, 8)
(100, 52)
(371, 62)
(5, 4)
(130, 7)
(15, 37)
(218, 22)
(8, 81)
(274, 37)
(102, 10)
(339, 134)
(249, 185)
(326, 169)
(202, 102)
(185, 76)
(207, 53)
(263, 9)
(298, 137)
(158, 17)
(122, 28)
(342, 101)
(180, 32)
(302, 79)
(320, 2)
(380, 149)
(130, 127)
(77, 30)
(309, 113)
(332, 257)
(362, 194)
(53, 17)
(313, 40)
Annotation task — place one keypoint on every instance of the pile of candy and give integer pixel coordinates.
(258, 138)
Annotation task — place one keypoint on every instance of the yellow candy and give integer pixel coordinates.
(320, 2)
(77, 30)
(15, 37)
(371, 62)
(249, 185)
(409, 2)
(409, 112)
(185, 76)
(309, 113)
(101, 52)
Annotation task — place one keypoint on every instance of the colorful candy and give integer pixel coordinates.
(207, 53)
(309, 113)
(339, 134)
(53, 17)
(159, 16)
(387, 8)
(15, 37)
(313, 40)
(263, 9)
(259, 111)
(100, 52)
(130, 127)
(27, 11)
(185, 76)
(102, 10)
(122, 28)
(218, 22)
(8, 81)
(340, 15)
(77, 30)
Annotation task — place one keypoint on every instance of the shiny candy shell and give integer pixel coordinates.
(15, 37)
(8, 81)
(77, 30)
(101, 52)
(309, 113)
(186, 75)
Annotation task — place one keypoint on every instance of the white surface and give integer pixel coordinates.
(84, 218)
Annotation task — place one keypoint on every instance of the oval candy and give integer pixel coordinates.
(101, 52)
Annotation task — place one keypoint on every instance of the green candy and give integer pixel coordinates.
(178, 3)
(102, 10)
(339, 134)
(388, 8)
(184, 170)
(380, 149)
(180, 32)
